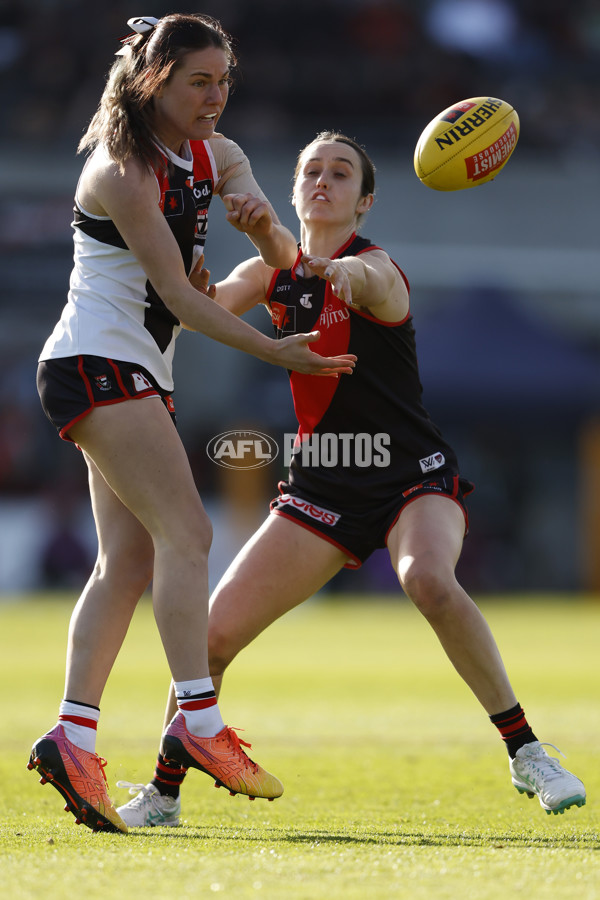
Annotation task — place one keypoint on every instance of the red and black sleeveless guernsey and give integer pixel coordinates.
(363, 436)
(113, 311)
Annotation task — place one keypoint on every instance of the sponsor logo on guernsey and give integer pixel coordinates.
(331, 315)
(140, 382)
(242, 449)
(305, 301)
(326, 516)
(202, 191)
(284, 317)
(429, 463)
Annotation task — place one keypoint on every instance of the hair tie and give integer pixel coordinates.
(140, 25)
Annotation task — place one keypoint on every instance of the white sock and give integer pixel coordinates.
(79, 721)
(197, 701)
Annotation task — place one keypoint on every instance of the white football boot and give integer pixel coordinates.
(149, 807)
(535, 773)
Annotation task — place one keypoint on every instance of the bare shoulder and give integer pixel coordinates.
(103, 184)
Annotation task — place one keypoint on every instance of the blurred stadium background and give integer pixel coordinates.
(505, 279)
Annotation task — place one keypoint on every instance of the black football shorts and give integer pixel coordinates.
(358, 535)
(71, 387)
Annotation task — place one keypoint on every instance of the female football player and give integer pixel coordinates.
(396, 483)
(105, 380)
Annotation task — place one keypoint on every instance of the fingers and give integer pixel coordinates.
(246, 211)
(332, 270)
(200, 279)
(300, 358)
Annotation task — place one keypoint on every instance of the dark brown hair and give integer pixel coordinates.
(123, 120)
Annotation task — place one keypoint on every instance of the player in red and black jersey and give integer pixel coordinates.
(395, 481)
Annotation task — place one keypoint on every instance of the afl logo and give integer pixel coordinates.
(242, 449)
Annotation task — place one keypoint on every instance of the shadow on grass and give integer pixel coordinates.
(590, 840)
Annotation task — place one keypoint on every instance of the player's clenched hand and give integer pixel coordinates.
(248, 213)
(200, 279)
(294, 353)
(333, 271)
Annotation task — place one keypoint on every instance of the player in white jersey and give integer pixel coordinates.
(139, 226)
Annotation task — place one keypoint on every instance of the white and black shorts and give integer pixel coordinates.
(71, 387)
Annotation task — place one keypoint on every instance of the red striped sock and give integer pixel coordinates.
(514, 729)
(168, 776)
(79, 721)
(197, 701)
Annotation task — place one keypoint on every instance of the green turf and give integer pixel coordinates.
(396, 785)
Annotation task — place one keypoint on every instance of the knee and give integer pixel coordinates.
(129, 568)
(429, 588)
(187, 541)
(199, 530)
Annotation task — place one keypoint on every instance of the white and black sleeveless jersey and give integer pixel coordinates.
(113, 310)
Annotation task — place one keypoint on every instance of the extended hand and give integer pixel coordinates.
(333, 271)
(294, 353)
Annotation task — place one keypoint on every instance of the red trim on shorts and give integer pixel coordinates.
(63, 431)
(149, 392)
(85, 379)
(115, 369)
(353, 563)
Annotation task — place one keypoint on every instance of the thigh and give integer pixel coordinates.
(136, 448)
(282, 565)
(429, 532)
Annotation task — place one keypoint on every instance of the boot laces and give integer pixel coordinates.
(238, 743)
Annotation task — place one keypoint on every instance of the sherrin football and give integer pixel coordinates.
(467, 144)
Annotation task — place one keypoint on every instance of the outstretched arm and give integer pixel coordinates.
(129, 199)
(370, 280)
(245, 288)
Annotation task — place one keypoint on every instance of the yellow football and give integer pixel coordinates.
(467, 144)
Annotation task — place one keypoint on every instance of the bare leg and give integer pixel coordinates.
(424, 547)
(269, 577)
(122, 572)
(139, 455)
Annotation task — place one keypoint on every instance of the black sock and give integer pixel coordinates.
(168, 777)
(514, 728)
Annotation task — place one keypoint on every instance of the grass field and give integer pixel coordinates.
(396, 784)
